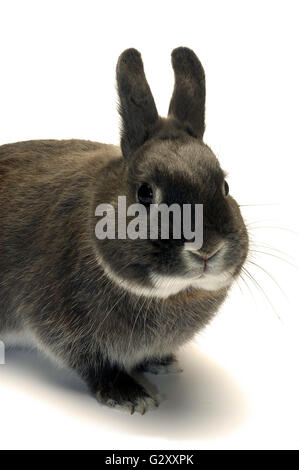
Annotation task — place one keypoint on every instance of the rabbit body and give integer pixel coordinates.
(107, 308)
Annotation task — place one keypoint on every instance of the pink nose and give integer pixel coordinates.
(205, 256)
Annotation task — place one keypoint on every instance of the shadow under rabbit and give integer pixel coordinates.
(202, 402)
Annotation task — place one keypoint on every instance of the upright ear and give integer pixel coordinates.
(136, 104)
(188, 99)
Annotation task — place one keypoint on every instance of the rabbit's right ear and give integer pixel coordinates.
(188, 100)
(136, 104)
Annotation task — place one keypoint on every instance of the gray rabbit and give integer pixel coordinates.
(111, 308)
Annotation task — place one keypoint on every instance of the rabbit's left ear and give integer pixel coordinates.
(136, 103)
(188, 100)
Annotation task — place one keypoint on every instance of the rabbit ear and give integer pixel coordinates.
(136, 104)
(188, 99)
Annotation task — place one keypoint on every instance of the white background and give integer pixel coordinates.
(240, 384)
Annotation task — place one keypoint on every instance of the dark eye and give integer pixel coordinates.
(145, 194)
(225, 188)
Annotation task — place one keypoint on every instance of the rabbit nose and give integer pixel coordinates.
(207, 255)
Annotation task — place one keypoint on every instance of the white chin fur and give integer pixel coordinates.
(165, 286)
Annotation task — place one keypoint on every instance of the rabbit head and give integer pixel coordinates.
(165, 160)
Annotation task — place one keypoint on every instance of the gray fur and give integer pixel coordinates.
(104, 308)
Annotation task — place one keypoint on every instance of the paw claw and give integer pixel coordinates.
(132, 398)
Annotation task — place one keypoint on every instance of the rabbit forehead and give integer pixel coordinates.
(191, 162)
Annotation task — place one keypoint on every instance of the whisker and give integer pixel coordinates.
(270, 276)
(246, 285)
(275, 256)
(263, 205)
(271, 227)
(265, 245)
(259, 287)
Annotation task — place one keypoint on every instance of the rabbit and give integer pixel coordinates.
(111, 309)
